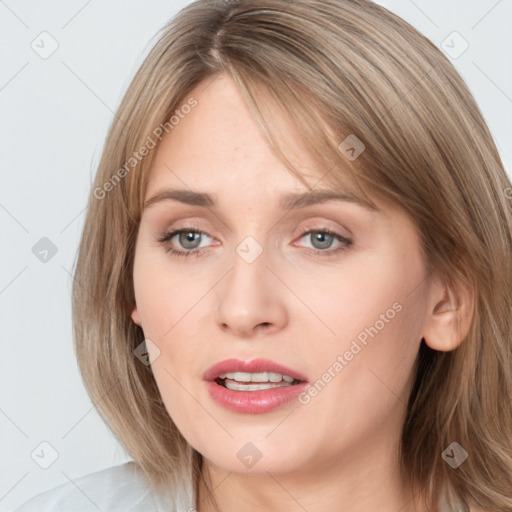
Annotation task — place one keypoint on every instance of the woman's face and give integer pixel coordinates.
(346, 318)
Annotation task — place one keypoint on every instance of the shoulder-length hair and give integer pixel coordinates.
(334, 68)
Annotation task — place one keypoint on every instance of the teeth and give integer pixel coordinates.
(237, 386)
(256, 377)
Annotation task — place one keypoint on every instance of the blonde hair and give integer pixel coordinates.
(335, 68)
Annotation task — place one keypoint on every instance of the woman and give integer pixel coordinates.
(293, 285)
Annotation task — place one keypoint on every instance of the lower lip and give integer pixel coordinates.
(254, 402)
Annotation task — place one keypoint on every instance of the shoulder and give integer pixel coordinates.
(115, 489)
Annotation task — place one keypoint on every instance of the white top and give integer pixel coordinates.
(121, 488)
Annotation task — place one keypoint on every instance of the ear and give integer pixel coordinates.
(135, 316)
(450, 312)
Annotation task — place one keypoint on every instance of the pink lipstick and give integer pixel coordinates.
(255, 386)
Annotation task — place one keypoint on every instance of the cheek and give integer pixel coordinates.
(370, 289)
(164, 294)
(368, 328)
(170, 301)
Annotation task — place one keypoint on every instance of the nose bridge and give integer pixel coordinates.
(248, 296)
(249, 276)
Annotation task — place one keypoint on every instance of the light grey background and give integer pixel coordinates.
(55, 114)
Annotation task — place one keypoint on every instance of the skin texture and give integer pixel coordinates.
(290, 305)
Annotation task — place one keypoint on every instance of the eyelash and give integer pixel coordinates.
(345, 242)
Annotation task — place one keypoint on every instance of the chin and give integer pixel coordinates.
(256, 458)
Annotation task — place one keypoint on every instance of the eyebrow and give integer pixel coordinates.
(287, 202)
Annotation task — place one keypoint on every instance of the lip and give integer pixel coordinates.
(253, 402)
(253, 366)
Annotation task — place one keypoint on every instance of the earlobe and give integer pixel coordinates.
(450, 316)
(135, 316)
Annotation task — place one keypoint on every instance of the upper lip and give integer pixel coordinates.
(253, 366)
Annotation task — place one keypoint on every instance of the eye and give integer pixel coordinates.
(323, 239)
(188, 238)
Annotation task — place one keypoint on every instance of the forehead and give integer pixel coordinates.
(218, 145)
(203, 181)
(219, 139)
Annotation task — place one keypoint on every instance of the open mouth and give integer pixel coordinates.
(243, 381)
(253, 386)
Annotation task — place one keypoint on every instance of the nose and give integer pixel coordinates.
(250, 298)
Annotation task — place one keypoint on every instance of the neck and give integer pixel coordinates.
(362, 479)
